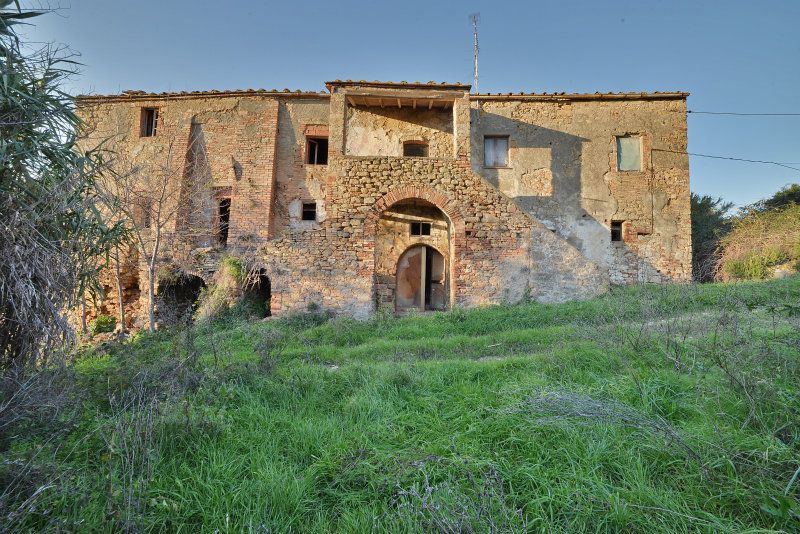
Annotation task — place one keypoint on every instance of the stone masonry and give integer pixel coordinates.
(538, 226)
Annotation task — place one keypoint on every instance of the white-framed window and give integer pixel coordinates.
(629, 153)
(495, 151)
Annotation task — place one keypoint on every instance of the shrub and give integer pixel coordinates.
(761, 241)
(756, 266)
(103, 323)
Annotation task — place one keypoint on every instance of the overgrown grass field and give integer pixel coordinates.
(650, 409)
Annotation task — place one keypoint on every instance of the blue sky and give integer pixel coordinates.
(734, 55)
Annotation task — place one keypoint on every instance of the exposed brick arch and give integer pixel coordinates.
(384, 279)
(448, 206)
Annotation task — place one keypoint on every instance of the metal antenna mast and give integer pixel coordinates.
(475, 17)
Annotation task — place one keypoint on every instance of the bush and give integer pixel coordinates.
(756, 266)
(103, 323)
(760, 241)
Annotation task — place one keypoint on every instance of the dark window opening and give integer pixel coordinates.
(258, 293)
(224, 214)
(415, 149)
(177, 299)
(420, 228)
(309, 211)
(616, 230)
(317, 150)
(149, 122)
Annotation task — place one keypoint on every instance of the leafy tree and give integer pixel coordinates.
(710, 223)
(786, 196)
(53, 237)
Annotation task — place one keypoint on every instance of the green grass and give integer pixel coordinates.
(430, 423)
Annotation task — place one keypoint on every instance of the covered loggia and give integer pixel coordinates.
(412, 257)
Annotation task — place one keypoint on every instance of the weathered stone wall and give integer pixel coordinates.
(538, 228)
(562, 170)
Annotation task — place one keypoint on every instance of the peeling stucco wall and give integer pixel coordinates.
(537, 228)
(562, 170)
(377, 131)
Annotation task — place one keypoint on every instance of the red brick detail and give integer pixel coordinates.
(315, 130)
(437, 198)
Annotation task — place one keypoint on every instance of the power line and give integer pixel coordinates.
(780, 164)
(737, 114)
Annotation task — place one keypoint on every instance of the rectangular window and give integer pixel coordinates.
(495, 151)
(149, 122)
(629, 153)
(224, 214)
(309, 211)
(413, 149)
(142, 209)
(420, 228)
(317, 150)
(616, 230)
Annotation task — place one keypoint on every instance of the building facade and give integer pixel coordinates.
(419, 196)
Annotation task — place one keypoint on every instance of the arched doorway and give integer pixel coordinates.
(421, 280)
(413, 249)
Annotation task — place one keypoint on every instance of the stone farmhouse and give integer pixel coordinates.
(378, 196)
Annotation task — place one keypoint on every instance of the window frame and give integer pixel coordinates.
(508, 151)
(313, 139)
(421, 226)
(618, 151)
(144, 131)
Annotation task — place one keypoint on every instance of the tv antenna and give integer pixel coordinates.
(475, 18)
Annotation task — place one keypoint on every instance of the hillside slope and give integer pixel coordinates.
(651, 409)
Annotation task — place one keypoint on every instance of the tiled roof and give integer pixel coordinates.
(130, 95)
(581, 96)
(401, 84)
(144, 95)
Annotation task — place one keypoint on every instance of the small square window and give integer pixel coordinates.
(309, 211)
(317, 150)
(415, 149)
(420, 228)
(629, 153)
(148, 122)
(495, 151)
(616, 230)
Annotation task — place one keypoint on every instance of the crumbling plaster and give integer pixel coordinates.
(537, 228)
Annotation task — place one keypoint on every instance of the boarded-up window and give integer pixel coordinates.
(142, 209)
(495, 151)
(629, 153)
